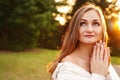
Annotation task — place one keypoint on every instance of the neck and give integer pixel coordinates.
(85, 51)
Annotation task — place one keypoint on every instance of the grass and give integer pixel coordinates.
(29, 65)
(25, 65)
(115, 60)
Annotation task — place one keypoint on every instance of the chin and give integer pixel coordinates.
(89, 41)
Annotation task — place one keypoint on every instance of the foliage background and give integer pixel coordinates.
(28, 24)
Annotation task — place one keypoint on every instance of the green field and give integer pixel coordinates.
(29, 65)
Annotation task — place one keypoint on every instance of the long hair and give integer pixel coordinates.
(70, 42)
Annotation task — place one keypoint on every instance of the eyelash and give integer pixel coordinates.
(82, 23)
(96, 24)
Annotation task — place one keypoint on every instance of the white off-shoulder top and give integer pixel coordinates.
(71, 71)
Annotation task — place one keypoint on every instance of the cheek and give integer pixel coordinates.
(99, 34)
(81, 31)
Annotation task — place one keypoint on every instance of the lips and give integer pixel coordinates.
(89, 36)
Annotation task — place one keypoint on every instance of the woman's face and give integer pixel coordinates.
(90, 30)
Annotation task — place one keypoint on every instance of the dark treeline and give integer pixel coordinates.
(27, 24)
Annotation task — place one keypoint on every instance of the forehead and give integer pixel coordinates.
(91, 15)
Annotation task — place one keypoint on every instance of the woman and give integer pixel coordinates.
(84, 54)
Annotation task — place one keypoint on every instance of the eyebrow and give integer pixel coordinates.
(86, 20)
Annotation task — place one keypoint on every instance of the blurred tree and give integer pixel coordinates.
(26, 23)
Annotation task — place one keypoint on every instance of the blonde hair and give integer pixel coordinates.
(70, 41)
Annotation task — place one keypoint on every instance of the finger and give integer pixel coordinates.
(107, 55)
(104, 47)
(94, 53)
(97, 51)
(105, 58)
(101, 51)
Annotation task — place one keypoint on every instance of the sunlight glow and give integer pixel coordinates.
(118, 22)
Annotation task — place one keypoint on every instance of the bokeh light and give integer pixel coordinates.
(109, 0)
(60, 19)
(118, 3)
(64, 9)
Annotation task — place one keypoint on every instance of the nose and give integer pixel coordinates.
(89, 28)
